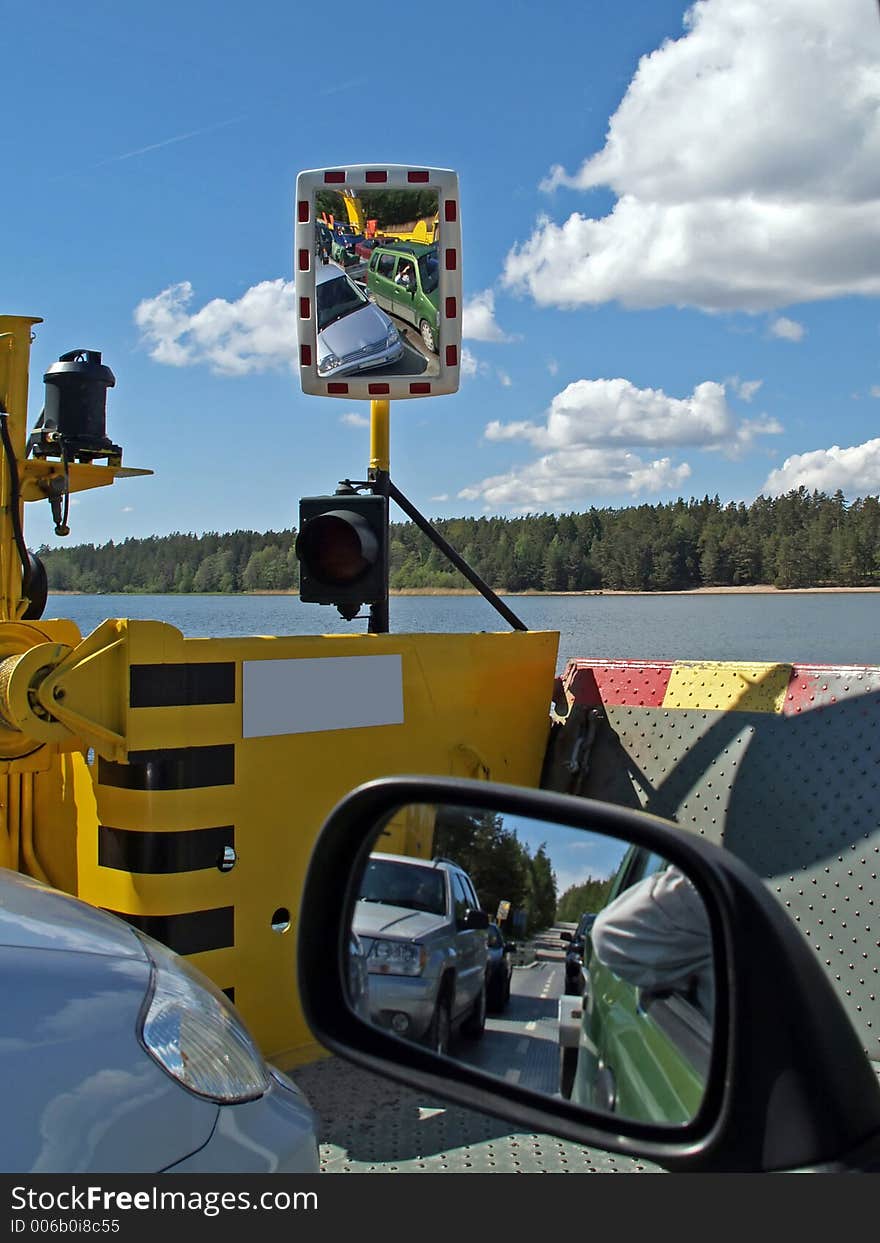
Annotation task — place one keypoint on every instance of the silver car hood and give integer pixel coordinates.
(368, 326)
(33, 916)
(376, 919)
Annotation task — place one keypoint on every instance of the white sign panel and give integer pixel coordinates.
(330, 692)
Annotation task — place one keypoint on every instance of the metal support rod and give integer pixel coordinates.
(379, 620)
(380, 464)
(448, 551)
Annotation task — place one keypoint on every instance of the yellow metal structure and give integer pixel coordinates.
(721, 686)
(181, 782)
(424, 231)
(15, 347)
(147, 835)
(380, 435)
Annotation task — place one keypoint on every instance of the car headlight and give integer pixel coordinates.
(396, 958)
(327, 363)
(392, 338)
(192, 1031)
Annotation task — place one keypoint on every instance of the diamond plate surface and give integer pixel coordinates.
(741, 687)
(369, 1125)
(795, 796)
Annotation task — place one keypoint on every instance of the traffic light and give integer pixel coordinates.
(342, 547)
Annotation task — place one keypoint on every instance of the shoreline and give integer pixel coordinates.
(753, 590)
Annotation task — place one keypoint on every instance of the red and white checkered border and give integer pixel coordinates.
(392, 177)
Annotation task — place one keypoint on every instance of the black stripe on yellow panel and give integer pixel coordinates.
(192, 933)
(181, 686)
(174, 768)
(186, 850)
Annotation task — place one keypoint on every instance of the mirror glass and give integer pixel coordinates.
(377, 281)
(567, 961)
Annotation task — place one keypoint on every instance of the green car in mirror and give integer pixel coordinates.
(404, 279)
(645, 1037)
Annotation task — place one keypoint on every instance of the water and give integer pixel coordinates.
(833, 628)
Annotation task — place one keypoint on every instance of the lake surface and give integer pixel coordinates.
(834, 629)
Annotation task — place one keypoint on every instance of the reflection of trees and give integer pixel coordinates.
(387, 207)
(589, 896)
(500, 866)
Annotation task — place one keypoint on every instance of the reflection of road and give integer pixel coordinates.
(411, 362)
(521, 1045)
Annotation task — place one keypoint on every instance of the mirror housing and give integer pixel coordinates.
(789, 1085)
(387, 381)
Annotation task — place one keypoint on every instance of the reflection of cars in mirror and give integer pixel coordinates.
(499, 969)
(667, 1022)
(323, 241)
(404, 279)
(353, 333)
(424, 936)
(121, 1056)
(358, 977)
(345, 239)
(576, 952)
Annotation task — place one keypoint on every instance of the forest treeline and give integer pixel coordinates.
(502, 868)
(802, 539)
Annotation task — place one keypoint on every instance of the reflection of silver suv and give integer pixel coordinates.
(424, 935)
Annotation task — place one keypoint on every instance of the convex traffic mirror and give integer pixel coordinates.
(377, 260)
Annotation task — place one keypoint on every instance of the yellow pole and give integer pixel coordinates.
(380, 435)
(15, 350)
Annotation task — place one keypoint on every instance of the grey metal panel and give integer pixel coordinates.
(371, 1125)
(794, 796)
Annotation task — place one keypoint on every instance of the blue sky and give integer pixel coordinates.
(576, 855)
(670, 227)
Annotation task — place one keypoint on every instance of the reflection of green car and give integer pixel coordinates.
(404, 279)
(642, 1055)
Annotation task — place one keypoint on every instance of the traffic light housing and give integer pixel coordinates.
(342, 547)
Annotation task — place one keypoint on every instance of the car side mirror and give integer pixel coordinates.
(746, 1062)
(475, 921)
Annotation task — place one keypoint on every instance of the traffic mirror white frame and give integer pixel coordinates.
(362, 177)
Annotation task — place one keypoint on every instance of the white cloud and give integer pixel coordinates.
(353, 419)
(478, 319)
(469, 364)
(875, 390)
(553, 366)
(787, 329)
(855, 470)
(572, 477)
(745, 157)
(589, 435)
(745, 389)
(444, 496)
(256, 333)
(504, 379)
(616, 413)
